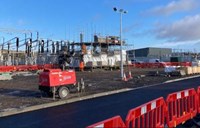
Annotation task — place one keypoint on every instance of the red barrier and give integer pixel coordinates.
(114, 122)
(48, 66)
(25, 67)
(182, 106)
(40, 67)
(33, 68)
(22, 67)
(7, 68)
(198, 96)
(149, 115)
(160, 65)
(149, 65)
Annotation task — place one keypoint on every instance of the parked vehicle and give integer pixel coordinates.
(134, 61)
(154, 61)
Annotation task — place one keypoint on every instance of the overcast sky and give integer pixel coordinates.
(148, 23)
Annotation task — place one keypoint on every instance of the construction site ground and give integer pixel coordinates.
(22, 91)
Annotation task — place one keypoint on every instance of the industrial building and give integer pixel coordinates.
(144, 54)
(102, 52)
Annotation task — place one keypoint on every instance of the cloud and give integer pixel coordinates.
(185, 29)
(131, 27)
(174, 7)
(177, 44)
(197, 44)
(182, 45)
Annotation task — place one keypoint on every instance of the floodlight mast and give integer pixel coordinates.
(121, 11)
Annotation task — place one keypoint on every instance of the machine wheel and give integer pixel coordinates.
(63, 92)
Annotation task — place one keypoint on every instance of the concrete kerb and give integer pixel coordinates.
(57, 103)
(170, 81)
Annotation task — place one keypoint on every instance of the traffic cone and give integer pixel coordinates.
(81, 66)
(124, 78)
(130, 75)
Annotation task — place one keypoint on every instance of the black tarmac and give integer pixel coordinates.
(84, 113)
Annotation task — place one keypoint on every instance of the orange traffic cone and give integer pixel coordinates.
(130, 75)
(81, 66)
(124, 78)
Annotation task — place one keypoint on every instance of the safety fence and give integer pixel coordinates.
(151, 114)
(160, 64)
(182, 106)
(114, 122)
(26, 67)
(178, 108)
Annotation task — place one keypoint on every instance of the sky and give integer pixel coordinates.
(148, 23)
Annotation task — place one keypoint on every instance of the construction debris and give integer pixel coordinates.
(5, 76)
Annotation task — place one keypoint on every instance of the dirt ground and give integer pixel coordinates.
(22, 90)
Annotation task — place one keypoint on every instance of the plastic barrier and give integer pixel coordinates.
(114, 122)
(6, 68)
(26, 67)
(182, 106)
(149, 115)
(33, 68)
(198, 96)
(22, 67)
(40, 67)
(178, 108)
(48, 66)
(160, 65)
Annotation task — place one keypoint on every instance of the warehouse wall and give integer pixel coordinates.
(148, 53)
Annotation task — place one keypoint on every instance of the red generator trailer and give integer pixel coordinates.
(57, 82)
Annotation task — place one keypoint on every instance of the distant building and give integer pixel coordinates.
(149, 53)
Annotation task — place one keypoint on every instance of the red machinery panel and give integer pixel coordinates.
(56, 77)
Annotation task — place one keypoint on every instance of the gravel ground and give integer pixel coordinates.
(22, 90)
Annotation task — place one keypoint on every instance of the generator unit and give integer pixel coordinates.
(56, 81)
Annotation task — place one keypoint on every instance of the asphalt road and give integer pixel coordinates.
(84, 113)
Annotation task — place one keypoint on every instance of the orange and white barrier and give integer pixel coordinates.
(114, 122)
(182, 106)
(149, 115)
(176, 109)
